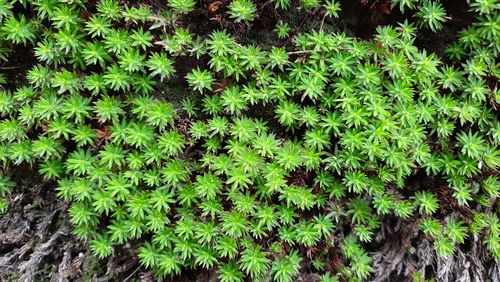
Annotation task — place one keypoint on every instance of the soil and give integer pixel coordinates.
(36, 243)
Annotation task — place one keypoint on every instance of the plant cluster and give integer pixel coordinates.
(288, 151)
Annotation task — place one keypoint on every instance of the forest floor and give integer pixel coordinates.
(36, 243)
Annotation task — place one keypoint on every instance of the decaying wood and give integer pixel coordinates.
(395, 261)
(28, 268)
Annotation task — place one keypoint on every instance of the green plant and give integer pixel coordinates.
(282, 4)
(242, 10)
(230, 273)
(182, 6)
(19, 31)
(275, 155)
(332, 8)
(254, 262)
(426, 202)
(200, 80)
(484, 6)
(286, 268)
(282, 30)
(4, 205)
(110, 9)
(431, 15)
(102, 247)
(159, 64)
(6, 185)
(403, 4)
(310, 4)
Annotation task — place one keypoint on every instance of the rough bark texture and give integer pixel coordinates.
(397, 259)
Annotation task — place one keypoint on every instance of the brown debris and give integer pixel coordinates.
(213, 7)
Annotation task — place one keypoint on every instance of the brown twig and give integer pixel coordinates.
(9, 68)
(132, 274)
(300, 52)
(322, 23)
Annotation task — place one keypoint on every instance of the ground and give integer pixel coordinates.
(36, 243)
